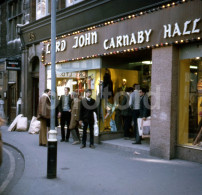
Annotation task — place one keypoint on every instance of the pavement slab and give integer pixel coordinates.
(107, 169)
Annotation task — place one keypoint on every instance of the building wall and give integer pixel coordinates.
(3, 30)
(164, 85)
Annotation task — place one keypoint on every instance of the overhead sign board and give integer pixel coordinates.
(13, 65)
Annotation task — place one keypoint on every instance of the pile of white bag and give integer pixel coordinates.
(20, 123)
(34, 126)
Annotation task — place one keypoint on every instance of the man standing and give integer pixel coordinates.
(86, 118)
(144, 110)
(65, 113)
(134, 103)
(44, 110)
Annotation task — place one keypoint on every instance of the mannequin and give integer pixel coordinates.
(123, 87)
(107, 83)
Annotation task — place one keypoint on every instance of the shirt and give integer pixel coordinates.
(66, 106)
(134, 101)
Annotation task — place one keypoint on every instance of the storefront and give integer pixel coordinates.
(162, 55)
(10, 70)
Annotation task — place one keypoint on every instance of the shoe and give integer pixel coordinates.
(132, 139)
(76, 142)
(66, 140)
(136, 143)
(82, 146)
(62, 140)
(126, 138)
(92, 146)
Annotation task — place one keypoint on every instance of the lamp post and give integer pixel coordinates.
(52, 139)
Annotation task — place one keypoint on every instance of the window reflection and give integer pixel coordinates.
(190, 103)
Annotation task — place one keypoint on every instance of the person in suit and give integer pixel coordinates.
(86, 118)
(126, 113)
(144, 111)
(44, 116)
(65, 113)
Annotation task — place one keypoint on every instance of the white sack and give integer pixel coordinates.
(22, 124)
(34, 126)
(12, 127)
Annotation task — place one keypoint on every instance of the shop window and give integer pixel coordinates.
(15, 17)
(81, 75)
(72, 2)
(43, 8)
(190, 103)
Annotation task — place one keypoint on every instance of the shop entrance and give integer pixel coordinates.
(12, 99)
(34, 84)
(119, 72)
(125, 70)
(35, 88)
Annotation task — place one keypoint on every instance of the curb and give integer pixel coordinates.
(125, 148)
(15, 148)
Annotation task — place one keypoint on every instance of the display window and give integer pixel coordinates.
(107, 83)
(190, 103)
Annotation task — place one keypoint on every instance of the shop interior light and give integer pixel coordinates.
(193, 67)
(147, 62)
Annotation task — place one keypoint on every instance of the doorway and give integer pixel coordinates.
(12, 99)
(35, 96)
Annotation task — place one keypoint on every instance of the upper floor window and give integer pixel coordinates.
(72, 2)
(43, 8)
(15, 17)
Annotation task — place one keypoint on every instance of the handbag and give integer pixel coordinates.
(144, 127)
(113, 125)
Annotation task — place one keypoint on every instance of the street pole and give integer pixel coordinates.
(52, 139)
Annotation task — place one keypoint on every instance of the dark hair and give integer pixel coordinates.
(67, 88)
(144, 90)
(130, 89)
(46, 90)
(88, 90)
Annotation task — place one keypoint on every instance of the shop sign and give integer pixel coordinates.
(157, 28)
(126, 40)
(78, 75)
(85, 40)
(189, 27)
(13, 65)
(59, 46)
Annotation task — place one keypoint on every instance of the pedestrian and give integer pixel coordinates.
(144, 110)
(134, 103)
(126, 112)
(44, 110)
(74, 122)
(86, 118)
(65, 113)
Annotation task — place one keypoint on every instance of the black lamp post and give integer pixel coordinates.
(52, 139)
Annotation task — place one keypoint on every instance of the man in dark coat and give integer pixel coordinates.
(86, 118)
(44, 116)
(65, 113)
(144, 111)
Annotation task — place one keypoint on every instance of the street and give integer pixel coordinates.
(11, 169)
(104, 170)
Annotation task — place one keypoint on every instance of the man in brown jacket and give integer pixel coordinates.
(74, 122)
(44, 111)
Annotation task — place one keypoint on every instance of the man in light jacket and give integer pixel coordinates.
(134, 104)
(44, 110)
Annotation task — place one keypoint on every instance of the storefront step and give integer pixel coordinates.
(126, 145)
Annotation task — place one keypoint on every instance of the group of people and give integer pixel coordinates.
(137, 105)
(73, 112)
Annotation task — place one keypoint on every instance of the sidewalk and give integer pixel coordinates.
(111, 168)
